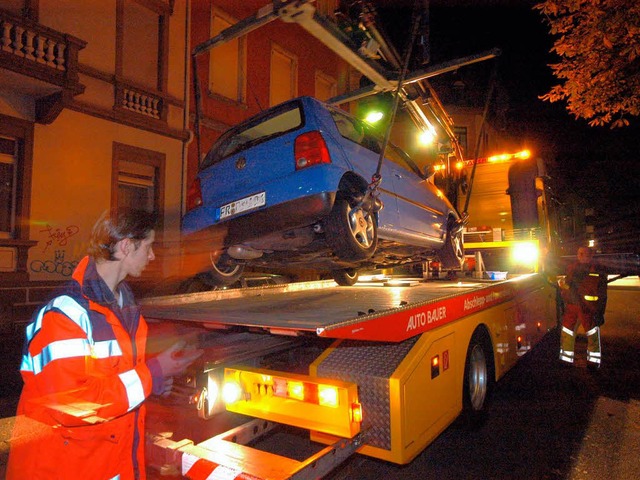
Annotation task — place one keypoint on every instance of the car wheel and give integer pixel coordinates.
(225, 270)
(351, 232)
(346, 277)
(477, 381)
(452, 253)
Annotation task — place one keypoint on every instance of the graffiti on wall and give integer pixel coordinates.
(53, 252)
(58, 265)
(58, 236)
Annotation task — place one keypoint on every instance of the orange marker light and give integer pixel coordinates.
(295, 390)
(328, 396)
(356, 412)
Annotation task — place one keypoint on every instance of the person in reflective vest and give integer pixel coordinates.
(81, 411)
(584, 291)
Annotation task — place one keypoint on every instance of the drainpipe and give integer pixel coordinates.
(187, 108)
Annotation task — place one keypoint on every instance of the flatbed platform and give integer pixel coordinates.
(384, 311)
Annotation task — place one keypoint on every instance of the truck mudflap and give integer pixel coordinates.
(228, 457)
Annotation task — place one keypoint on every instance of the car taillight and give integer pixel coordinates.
(310, 149)
(194, 195)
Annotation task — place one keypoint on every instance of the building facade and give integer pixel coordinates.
(93, 96)
(96, 112)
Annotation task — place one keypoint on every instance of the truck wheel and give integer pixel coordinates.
(225, 270)
(452, 252)
(351, 232)
(346, 277)
(477, 381)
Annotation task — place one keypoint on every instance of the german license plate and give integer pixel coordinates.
(242, 205)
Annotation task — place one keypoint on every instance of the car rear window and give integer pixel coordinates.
(257, 130)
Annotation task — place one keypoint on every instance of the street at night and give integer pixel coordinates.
(302, 239)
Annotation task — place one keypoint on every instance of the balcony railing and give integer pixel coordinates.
(36, 51)
(137, 100)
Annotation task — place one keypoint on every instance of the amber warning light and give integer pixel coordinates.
(319, 404)
(505, 157)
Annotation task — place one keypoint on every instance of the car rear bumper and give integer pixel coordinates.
(277, 218)
(284, 216)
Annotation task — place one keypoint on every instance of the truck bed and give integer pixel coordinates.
(385, 311)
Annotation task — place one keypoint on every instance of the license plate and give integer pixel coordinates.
(242, 205)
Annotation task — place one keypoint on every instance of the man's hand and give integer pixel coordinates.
(175, 359)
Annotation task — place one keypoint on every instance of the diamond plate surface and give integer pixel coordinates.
(369, 365)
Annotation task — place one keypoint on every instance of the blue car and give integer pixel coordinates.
(291, 187)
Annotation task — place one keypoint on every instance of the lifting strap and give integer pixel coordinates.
(376, 178)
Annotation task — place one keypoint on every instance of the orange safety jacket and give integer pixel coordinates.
(81, 412)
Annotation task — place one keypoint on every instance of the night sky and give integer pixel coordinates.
(596, 164)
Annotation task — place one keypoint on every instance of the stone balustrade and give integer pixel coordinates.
(141, 102)
(31, 49)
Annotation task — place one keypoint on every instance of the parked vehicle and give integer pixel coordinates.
(290, 187)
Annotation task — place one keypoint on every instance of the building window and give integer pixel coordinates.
(142, 40)
(461, 136)
(284, 76)
(16, 147)
(8, 185)
(137, 186)
(138, 178)
(227, 64)
(326, 86)
(140, 44)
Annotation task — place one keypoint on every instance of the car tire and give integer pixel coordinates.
(478, 381)
(346, 277)
(225, 270)
(351, 232)
(451, 254)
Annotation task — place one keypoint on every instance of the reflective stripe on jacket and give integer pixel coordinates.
(587, 287)
(80, 413)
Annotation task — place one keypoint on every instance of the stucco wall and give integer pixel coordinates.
(72, 168)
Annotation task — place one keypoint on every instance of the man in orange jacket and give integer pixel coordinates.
(81, 412)
(584, 291)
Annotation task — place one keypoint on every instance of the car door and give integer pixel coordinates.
(361, 149)
(422, 208)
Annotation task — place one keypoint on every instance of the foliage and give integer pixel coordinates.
(598, 42)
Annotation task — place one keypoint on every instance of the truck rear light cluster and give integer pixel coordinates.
(194, 195)
(325, 395)
(310, 149)
(320, 404)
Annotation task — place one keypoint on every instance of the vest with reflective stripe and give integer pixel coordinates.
(85, 379)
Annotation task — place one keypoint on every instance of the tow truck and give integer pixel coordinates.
(405, 358)
(380, 368)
